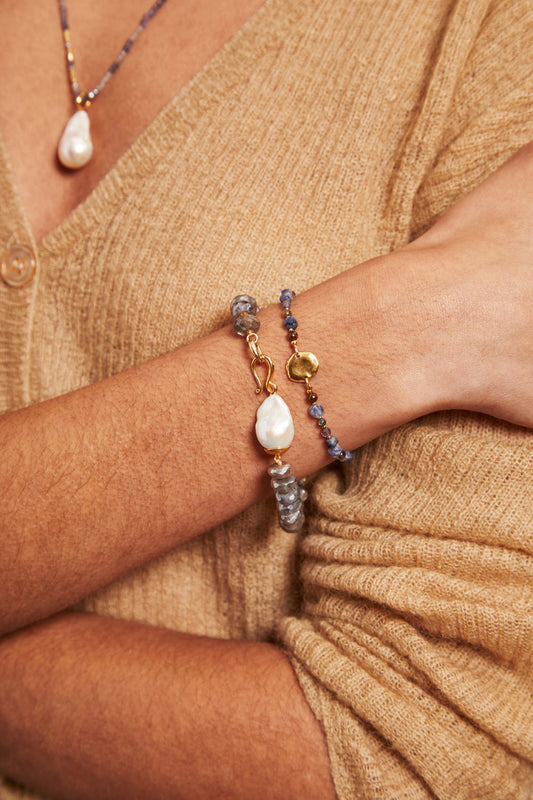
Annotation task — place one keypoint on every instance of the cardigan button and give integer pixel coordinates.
(17, 267)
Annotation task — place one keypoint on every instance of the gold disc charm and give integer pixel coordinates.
(301, 367)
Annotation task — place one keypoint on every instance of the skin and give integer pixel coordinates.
(59, 734)
(179, 40)
(176, 716)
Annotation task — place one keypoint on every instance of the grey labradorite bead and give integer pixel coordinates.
(286, 497)
(290, 497)
(245, 323)
(243, 303)
(280, 470)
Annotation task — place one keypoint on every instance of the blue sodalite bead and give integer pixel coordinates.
(285, 295)
(316, 410)
(331, 441)
(336, 451)
(291, 323)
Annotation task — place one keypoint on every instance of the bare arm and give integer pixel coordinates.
(447, 321)
(100, 481)
(94, 707)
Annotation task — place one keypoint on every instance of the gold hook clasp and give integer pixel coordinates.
(261, 358)
(269, 385)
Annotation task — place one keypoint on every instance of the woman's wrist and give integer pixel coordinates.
(432, 307)
(370, 329)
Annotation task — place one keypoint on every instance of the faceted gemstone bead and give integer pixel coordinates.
(312, 397)
(336, 451)
(289, 497)
(296, 506)
(280, 470)
(246, 322)
(244, 307)
(295, 526)
(293, 336)
(285, 498)
(291, 323)
(287, 489)
(284, 484)
(325, 432)
(243, 302)
(321, 422)
(291, 517)
(316, 410)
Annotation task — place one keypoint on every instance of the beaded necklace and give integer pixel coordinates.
(75, 146)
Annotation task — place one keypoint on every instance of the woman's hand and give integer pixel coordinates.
(478, 304)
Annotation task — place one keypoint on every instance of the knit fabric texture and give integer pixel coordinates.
(324, 133)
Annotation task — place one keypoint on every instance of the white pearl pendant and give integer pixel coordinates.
(274, 427)
(75, 146)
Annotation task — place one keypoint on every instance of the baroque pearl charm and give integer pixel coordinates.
(75, 146)
(274, 427)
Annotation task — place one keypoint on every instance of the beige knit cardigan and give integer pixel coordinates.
(324, 133)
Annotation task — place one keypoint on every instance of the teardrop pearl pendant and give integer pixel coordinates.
(75, 147)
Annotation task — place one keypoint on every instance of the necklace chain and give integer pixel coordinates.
(84, 99)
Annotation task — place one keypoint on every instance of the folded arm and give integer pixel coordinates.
(100, 481)
(95, 707)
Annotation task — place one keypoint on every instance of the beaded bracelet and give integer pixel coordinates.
(274, 427)
(301, 367)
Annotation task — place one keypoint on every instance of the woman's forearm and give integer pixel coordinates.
(99, 481)
(95, 707)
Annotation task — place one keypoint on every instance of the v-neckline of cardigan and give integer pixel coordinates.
(219, 74)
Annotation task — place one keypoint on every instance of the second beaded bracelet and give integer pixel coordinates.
(301, 367)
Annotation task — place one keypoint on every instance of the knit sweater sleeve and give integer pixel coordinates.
(415, 644)
(491, 114)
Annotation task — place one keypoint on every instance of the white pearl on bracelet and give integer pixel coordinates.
(274, 427)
